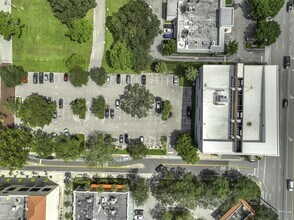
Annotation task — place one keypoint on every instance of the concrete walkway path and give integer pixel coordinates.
(98, 35)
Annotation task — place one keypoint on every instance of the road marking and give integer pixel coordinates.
(208, 165)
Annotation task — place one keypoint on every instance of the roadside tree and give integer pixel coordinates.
(161, 67)
(137, 150)
(263, 212)
(186, 148)
(169, 47)
(262, 9)
(15, 147)
(12, 75)
(78, 107)
(78, 77)
(191, 73)
(231, 48)
(166, 110)
(177, 214)
(267, 33)
(246, 189)
(80, 30)
(69, 147)
(9, 25)
(42, 144)
(99, 149)
(98, 106)
(138, 101)
(120, 56)
(140, 191)
(98, 75)
(36, 110)
(75, 60)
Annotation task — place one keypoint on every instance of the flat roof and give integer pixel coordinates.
(12, 207)
(171, 10)
(226, 17)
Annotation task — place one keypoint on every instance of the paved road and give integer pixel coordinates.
(98, 35)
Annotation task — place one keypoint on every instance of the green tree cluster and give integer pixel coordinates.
(78, 76)
(99, 149)
(136, 26)
(75, 60)
(43, 144)
(138, 101)
(169, 47)
(80, 30)
(36, 110)
(12, 75)
(178, 214)
(78, 107)
(9, 25)
(267, 33)
(262, 9)
(160, 67)
(98, 106)
(186, 148)
(140, 191)
(120, 56)
(12, 105)
(98, 75)
(263, 212)
(137, 150)
(166, 110)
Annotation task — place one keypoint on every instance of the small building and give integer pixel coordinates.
(240, 211)
(237, 110)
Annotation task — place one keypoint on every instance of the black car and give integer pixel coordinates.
(159, 168)
(107, 112)
(60, 103)
(287, 62)
(51, 77)
(143, 79)
(168, 26)
(285, 103)
(188, 112)
(118, 78)
(128, 79)
(41, 77)
(289, 6)
(55, 114)
(112, 113)
(127, 141)
(35, 78)
(121, 139)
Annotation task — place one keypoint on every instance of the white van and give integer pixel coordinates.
(290, 185)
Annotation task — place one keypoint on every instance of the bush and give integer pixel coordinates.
(79, 108)
(98, 75)
(75, 60)
(80, 30)
(169, 47)
(166, 110)
(98, 107)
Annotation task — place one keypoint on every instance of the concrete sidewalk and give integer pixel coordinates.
(5, 46)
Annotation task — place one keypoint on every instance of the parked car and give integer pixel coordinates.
(25, 80)
(46, 77)
(60, 103)
(290, 185)
(141, 138)
(167, 36)
(35, 78)
(51, 77)
(128, 79)
(158, 104)
(285, 103)
(168, 26)
(41, 77)
(66, 131)
(55, 114)
(143, 79)
(118, 78)
(121, 139)
(159, 168)
(65, 77)
(188, 112)
(117, 103)
(107, 112)
(112, 113)
(175, 79)
(107, 78)
(287, 60)
(168, 30)
(289, 6)
(127, 141)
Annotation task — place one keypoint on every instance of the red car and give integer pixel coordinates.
(65, 77)
(25, 80)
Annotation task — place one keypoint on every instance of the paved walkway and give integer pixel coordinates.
(5, 46)
(98, 35)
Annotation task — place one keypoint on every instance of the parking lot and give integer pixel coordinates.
(150, 127)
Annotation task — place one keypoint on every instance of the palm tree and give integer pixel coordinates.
(231, 47)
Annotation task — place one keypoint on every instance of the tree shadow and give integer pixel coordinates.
(232, 176)
(173, 136)
(157, 211)
(207, 174)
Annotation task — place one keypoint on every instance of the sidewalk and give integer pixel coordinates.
(5, 46)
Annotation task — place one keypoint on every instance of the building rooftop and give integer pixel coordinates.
(240, 211)
(13, 207)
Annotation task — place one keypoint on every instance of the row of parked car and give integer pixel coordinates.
(168, 31)
(124, 138)
(41, 77)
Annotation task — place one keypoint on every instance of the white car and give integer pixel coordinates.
(168, 30)
(290, 185)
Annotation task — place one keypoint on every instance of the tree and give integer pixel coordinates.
(120, 56)
(267, 33)
(78, 76)
(9, 25)
(43, 144)
(68, 147)
(98, 106)
(36, 111)
(12, 105)
(15, 147)
(68, 215)
(141, 59)
(12, 75)
(166, 110)
(75, 60)
(137, 150)
(80, 30)
(263, 212)
(177, 214)
(78, 107)
(231, 47)
(262, 9)
(191, 73)
(246, 189)
(98, 75)
(169, 47)
(138, 100)
(186, 148)
(69, 10)
(99, 149)
(161, 67)
(140, 191)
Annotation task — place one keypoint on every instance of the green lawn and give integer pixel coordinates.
(43, 45)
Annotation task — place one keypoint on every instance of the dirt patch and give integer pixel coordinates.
(5, 117)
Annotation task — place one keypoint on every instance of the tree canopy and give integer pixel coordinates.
(36, 110)
(267, 33)
(98, 106)
(232, 47)
(69, 10)
(120, 56)
(42, 144)
(141, 59)
(261, 9)
(78, 77)
(137, 150)
(9, 25)
(98, 75)
(75, 60)
(12, 75)
(15, 147)
(78, 107)
(12, 105)
(177, 214)
(160, 67)
(191, 73)
(169, 47)
(263, 212)
(138, 100)
(140, 191)
(99, 149)
(186, 148)
(80, 30)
